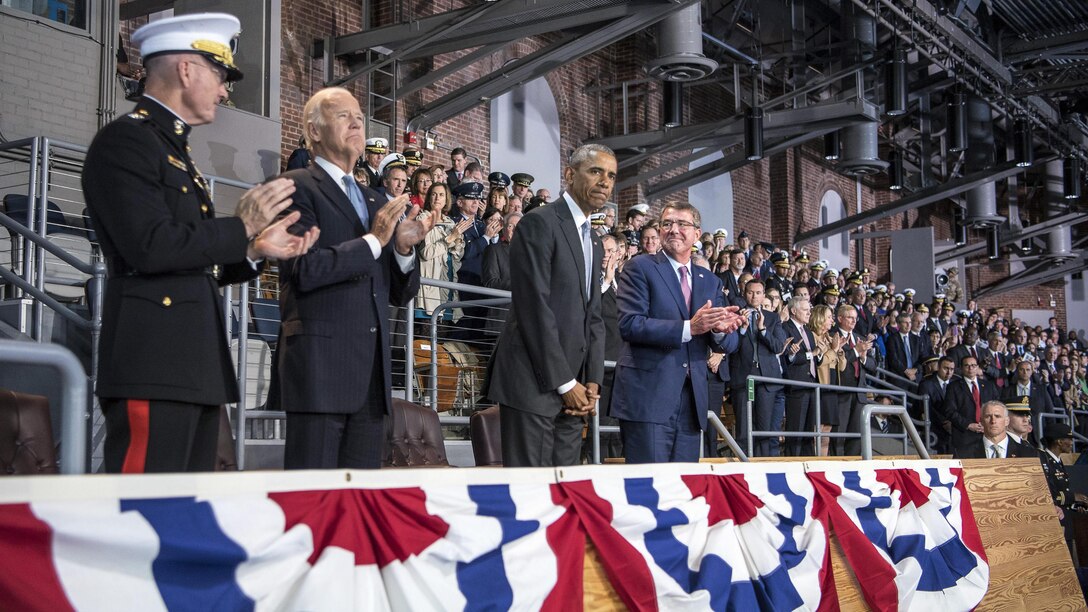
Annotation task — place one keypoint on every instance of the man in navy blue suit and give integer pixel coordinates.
(671, 312)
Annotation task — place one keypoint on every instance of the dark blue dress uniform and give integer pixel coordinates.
(164, 361)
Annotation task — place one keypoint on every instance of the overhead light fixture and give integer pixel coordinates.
(895, 84)
(832, 149)
(895, 170)
(993, 243)
(1023, 142)
(957, 122)
(1071, 177)
(674, 104)
(753, 134)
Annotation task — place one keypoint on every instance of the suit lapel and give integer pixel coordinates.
(701, 287)
(569, 231)
(336, 195)
(668, 275)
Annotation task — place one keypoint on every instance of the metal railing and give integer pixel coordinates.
(74, 432)
(867, 434)
(925, 422)
(817, 435)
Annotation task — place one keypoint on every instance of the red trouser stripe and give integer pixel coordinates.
(139, 422)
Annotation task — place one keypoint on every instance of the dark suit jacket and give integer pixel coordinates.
(654, 362)
(959, 407)
(496, 271)
(797, 366)
(451, 178)
(554, 332)
(897, 354)
(931, 386)
(472, 262)
(335, 303)
(976, 449)
(757, 353)
(1038, 398)
(163, 332)
(736, 293)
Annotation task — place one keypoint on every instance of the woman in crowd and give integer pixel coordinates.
(830, 356)
(421, 183)
(442, 250)
(497, 199)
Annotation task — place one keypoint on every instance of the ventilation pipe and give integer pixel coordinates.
(860, 150)
(1059, 241)
(680, 48)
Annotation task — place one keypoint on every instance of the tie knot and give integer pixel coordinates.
(684, 272)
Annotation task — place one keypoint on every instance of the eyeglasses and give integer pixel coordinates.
(668, 225)
(220, 73)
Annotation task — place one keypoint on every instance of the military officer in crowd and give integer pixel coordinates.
(164, 364)
(523, 186)
(374, 153)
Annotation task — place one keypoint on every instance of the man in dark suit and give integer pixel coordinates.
(458, 159)
(549, 361)
(964, 400)
(904, 350)
(994, 443)
(801, 363)
(966, 347)
(734, 294)
(671, 313)
(333, 354)
(762, 341)
(856, 350)
(936, 386)
(165, 367)
(1026, 385)
(855, 296)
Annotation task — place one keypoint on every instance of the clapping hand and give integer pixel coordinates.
(412, 229)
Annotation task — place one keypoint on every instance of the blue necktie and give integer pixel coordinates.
(356, 196)
(906, 347)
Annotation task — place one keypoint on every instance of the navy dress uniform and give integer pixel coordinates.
(374, 146)
(164, 363)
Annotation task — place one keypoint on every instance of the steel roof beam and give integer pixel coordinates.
(971, 250)
(1023, 50)
(1044, 272)
(522, 70)
(915, 200)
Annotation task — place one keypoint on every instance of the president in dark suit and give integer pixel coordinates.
(548, 364)
(334, 351)
(671, 313)
(848, 404)
(964, 400)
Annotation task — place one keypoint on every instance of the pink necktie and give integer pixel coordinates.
(684, 288)
(808, 349)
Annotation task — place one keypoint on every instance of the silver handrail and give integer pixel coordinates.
(817, 435)
(868, 410)
(926, 422)
(74, 414)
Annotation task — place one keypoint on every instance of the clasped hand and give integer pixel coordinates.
(408, 231)
(718, 319)
(581, 400)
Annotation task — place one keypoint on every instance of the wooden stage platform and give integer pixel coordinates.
(1030, 565)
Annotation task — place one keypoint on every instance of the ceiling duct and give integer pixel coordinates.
(860, 150)
(1059, 241)
(979, 130)
(680, 48)
(860, 153)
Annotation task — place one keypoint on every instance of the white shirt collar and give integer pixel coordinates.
(1052, 455)
(575, 211)
(333, 171)
(1015, 437)
(1003, 444)
(160, 103)
(677, 265)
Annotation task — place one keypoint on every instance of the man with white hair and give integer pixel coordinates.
(995, 442)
